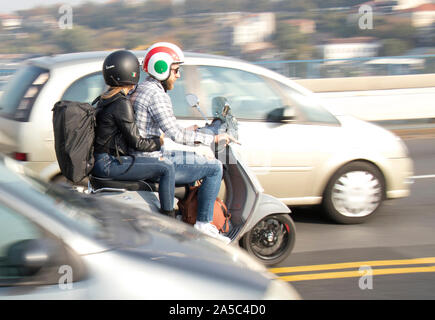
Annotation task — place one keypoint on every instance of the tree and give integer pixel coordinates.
(75, 40)
(292, 43)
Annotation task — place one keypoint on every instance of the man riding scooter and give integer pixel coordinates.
(154, 112)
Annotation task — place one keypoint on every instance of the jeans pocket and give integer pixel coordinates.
(102, 165)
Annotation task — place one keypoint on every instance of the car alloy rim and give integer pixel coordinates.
(356, 194)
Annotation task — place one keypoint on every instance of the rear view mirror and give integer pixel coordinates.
(281, 115)
(31, 255)
(192, 100)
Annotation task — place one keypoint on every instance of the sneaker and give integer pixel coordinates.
(211, 230)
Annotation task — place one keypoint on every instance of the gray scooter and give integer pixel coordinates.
(259, 223)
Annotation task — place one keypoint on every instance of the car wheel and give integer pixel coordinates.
(354, 193)
(271, 240)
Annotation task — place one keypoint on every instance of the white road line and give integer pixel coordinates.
(424, 176)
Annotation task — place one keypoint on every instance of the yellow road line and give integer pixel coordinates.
(355, 274)
(348, 265)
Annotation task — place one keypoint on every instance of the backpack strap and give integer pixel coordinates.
(96, 100)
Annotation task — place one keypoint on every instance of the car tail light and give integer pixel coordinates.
(24, 108)
(20, 156)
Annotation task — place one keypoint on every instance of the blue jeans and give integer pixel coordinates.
(107, 166)
(190, 167)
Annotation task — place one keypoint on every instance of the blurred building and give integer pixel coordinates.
(380, 7)
(407, 4)
(254, 28)
(10, 22)
(395, 66)
(348, 48)
(421, 16)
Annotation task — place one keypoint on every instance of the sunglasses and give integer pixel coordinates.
(176, 71)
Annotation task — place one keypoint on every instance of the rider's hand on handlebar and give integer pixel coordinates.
(193, 128)
(162, 139)
(226, 137)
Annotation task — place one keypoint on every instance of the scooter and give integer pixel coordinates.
(259, 223)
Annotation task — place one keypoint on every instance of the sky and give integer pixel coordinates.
(8, 6)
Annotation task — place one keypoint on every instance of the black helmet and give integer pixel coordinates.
(121, 68)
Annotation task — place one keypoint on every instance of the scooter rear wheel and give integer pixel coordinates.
(271, 240)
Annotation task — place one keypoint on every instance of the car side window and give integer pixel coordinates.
(178, 98)
(177, 95)
(310, 108)
(86, 89)
(249, 95)
(13, 229)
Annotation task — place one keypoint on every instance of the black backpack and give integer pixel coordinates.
(74, 134)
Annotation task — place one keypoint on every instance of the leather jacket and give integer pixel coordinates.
(116, 130)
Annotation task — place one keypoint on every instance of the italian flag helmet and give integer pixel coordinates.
(159, 58)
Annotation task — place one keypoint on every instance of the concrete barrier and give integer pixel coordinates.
(369, 83)
(410, 97)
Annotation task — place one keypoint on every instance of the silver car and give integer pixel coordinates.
(59, 244)
(301, 152)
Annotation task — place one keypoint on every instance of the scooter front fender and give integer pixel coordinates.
(266, 205)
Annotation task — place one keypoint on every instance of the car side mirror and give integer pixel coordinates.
(31, 255)
(286, 114)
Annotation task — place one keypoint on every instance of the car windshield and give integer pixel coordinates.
(54, 200)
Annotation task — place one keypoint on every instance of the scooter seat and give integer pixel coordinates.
(133, 185)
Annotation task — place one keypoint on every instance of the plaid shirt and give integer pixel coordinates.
(153, 112)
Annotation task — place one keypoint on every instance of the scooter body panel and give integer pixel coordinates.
(266, 205)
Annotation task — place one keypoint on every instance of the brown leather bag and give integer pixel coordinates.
(189, 205)
(221, 216)
(189, 209)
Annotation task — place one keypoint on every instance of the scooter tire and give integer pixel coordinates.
(271, 240)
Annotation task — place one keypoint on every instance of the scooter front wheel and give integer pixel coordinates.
(271, 240)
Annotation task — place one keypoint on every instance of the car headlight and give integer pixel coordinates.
(279, 290)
